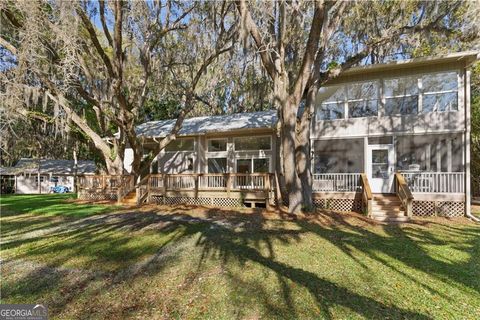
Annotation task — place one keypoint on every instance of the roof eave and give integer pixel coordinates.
(468, 57)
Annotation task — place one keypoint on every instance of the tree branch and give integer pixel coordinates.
(252, 28)
(93, 37)
(101, 5)
(310, 51)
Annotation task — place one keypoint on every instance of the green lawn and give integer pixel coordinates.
(163, 262)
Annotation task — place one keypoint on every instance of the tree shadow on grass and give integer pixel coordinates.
(243, 246)
(404, 242)
(135, 245)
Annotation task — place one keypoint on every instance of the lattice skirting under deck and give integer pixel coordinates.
(339, 204)
(438, 208)
(204, 201)
(96, 195)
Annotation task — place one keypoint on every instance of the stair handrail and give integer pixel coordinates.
(127, 184)
(367, 196)
(144, 183)
(404, 193)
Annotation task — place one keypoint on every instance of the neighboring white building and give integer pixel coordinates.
(37, 176)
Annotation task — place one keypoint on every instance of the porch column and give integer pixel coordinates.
(365, 155)
(449, 155)
(467, 142)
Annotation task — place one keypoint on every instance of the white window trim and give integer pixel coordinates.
(224, 139)
(413, 77)
(346, 100)
(235, 144)
(251, 162)
(317, 116)
(423, 93)
(381, 96)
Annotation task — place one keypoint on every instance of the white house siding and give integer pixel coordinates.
(128, 159)
(434, 122)
(27, 184)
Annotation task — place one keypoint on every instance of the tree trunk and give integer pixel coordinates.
(304, 165)
(288, 115)
(304, 159)
(114, 167)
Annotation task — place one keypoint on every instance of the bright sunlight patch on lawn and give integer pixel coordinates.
(161, 262)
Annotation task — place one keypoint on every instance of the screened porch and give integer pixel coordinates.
(429, 163)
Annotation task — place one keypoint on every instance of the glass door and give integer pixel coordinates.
(380, 168)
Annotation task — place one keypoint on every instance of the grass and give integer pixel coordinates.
(161, 262)
(49, 205)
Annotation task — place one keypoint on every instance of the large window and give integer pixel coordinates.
(436, 153)
(215, 145)
(180, 145)
(440, 92)
(333, 107)
(253, 143)
(338, 156)
(258, 165)
(401, 96)
(362, 99)
(217, 165)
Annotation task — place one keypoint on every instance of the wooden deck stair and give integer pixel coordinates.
(130, 199)
(388, 208)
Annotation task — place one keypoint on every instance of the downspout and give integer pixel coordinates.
(468, 200)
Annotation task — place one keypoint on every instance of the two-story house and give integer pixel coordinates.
(389, 139)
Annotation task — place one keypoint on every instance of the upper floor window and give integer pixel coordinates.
(362, 99)
(440, 92)
(253, 143)
(401, 96)
(180, 145)
(333, 107)
(215, 145)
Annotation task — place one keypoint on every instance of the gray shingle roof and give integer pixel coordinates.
(199, 125)
(47, 166)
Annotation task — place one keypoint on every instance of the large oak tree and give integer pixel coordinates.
(304, 45)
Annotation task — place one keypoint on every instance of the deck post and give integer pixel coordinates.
(267, 191)
(196, 184)
(165, 186)
(229, 183)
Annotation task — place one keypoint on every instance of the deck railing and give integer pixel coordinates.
(404, 193)
(120, 185)
(127, 184)
(211, 181)
(367, 196)
(435, 182)
(111, 182)
(337, 182)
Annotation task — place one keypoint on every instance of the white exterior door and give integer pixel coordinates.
(380, 168)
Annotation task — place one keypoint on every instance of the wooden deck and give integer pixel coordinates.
(229, 189)
(433, 194)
